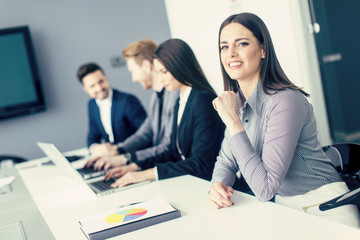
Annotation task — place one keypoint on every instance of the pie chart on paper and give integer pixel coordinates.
(126, 215)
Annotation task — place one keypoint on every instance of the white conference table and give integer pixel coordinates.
(62, 201)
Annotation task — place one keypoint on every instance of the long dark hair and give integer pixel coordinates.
(272, 76)
(178, 58)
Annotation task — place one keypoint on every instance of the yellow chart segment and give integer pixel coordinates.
(126, 215)
(114, 218)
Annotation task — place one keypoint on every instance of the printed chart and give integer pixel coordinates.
(126, 215)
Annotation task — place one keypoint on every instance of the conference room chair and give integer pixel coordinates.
(15, 159)
(346, 159)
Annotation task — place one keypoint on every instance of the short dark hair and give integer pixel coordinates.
(87, 68)
(179, 59)
(272, 75)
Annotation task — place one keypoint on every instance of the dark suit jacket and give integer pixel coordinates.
(200, 134)
(127, 115)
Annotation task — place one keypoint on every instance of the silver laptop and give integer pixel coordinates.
(98, 185)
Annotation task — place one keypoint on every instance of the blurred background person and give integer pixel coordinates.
(113, 115)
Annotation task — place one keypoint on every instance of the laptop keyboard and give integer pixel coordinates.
(103, 185)
(73, 158)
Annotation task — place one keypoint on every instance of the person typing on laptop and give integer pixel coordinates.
(153, 137)
(197, 129)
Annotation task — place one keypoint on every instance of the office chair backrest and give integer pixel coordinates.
(346, 159)
(15, 159)
(350, 153)
(335, 156)
(349, 167)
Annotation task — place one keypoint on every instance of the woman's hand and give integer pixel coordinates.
(220, 195)
(121, 171)
(135, 177)
(227, 108)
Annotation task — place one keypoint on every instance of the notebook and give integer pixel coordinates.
(129, 218)
(98, 185)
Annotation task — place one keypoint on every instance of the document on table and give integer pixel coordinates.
(126, 219)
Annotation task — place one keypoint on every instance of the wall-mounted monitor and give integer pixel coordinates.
(20, 85)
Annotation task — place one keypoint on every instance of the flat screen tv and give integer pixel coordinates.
(20, 85)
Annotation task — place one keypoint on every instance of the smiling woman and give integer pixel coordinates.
(271, 129)
(241, 55)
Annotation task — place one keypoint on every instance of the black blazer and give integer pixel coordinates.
(200, 132)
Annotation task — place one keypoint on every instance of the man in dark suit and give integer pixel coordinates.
(113, 115)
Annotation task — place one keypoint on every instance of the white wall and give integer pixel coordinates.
(197, 23)
(67, 33)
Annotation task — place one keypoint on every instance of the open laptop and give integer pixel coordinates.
(86, 173)
(98, 185)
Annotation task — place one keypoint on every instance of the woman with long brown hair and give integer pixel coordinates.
(271, 134)
(197, 129)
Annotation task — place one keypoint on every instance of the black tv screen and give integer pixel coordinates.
(20, 85)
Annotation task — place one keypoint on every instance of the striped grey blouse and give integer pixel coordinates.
(279, 152)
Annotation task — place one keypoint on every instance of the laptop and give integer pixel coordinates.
(97, 185)
(86, 173)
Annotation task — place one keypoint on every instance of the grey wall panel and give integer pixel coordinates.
(66, 34)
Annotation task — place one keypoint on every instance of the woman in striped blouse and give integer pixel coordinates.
(271, 134)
